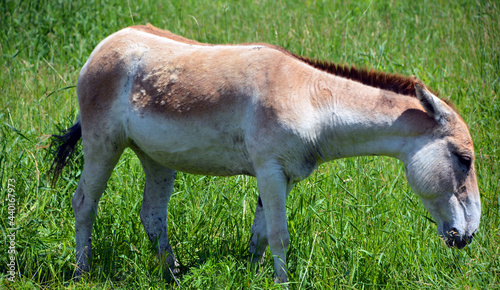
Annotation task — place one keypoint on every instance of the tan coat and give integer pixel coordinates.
(259, 110)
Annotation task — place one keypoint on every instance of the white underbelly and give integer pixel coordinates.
(206, 162)
(192, 146)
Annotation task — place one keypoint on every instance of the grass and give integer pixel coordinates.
(354, 223)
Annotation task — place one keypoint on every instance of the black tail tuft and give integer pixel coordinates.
(63, 147)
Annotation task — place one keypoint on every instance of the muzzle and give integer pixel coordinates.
(454, 240)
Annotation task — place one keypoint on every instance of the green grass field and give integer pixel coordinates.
(355, 223)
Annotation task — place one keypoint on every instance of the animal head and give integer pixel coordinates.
(440, 169)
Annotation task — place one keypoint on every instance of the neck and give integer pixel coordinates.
(361, 120)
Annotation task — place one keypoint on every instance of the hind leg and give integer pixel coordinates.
(99, 164)
(157, 192)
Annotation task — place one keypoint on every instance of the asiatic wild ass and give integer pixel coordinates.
(259, 110)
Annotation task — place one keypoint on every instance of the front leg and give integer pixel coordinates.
(273, 190)
(258, 240)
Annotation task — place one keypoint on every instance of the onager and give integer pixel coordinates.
(259, 110)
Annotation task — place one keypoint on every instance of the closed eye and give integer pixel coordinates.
(465, 161)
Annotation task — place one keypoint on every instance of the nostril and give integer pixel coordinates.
(453, 238)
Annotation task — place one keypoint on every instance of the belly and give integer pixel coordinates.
(193, 146)
(203, 161)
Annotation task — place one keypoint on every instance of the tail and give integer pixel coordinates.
(64, 148)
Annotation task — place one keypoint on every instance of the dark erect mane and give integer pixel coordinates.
(397, 83)
(393, 82)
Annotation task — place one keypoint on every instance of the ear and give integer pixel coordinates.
(434, 106)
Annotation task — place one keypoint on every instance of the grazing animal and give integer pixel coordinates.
(259, 110)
